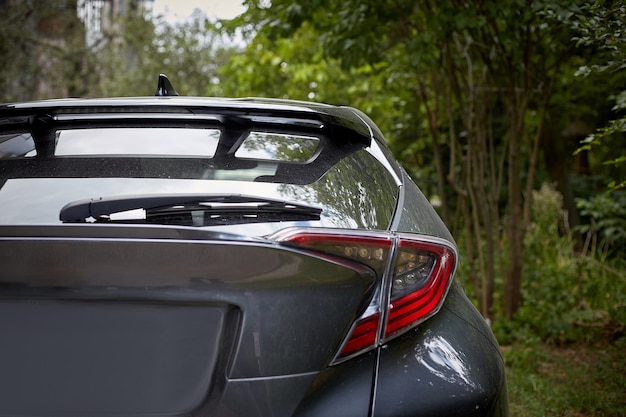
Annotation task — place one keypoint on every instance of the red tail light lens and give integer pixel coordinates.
(414, 273)
(363, 335)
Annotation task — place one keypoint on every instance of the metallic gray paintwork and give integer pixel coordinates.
(448, 366)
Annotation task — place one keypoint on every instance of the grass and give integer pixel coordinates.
(570, 381)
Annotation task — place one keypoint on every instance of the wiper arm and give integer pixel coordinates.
(166, 206)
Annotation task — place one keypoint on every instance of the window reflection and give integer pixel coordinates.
(438, 356)
(16, 145)
(249, 174)
(367, 192)
(277, 147)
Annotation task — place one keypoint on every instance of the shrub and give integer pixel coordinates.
(604, 223)
(567, 297)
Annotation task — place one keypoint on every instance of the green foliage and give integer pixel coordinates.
(605, 223)
(568, 297)
(284, 69)
(297, 68)
(600, 25)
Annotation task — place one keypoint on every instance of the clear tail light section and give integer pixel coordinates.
(420, 278)
(414, 274)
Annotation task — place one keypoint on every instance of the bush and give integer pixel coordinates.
(567, 297)
(604, 223)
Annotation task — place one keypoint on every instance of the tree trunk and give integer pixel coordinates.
(515, 232)
(434, 135)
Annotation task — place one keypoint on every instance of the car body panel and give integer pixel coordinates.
(449, 366)
(342, 390)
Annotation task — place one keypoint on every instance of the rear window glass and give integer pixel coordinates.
(16, 145)
(345, 179)
(130, 142)
(278, 147)
(170, 142)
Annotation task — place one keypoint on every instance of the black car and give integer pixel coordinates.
(179, 256)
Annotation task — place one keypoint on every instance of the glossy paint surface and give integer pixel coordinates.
(450, 366)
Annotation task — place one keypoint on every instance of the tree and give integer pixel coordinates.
(46, 55)
(42, 47)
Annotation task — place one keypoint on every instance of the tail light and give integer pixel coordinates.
(414, 273)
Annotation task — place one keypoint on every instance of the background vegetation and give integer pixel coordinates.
(509, 114)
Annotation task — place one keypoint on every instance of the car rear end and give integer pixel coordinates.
(227, 257)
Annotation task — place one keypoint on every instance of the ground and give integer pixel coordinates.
(567, 381)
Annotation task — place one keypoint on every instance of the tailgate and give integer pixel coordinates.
(126, 325)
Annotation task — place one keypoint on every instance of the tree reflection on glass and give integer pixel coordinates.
(356, 192)
(277, 147)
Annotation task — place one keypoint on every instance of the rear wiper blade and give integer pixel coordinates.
(163, 208)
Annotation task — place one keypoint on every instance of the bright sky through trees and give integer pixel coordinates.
(177, 10)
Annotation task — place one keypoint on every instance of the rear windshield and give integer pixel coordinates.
(348, 182)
